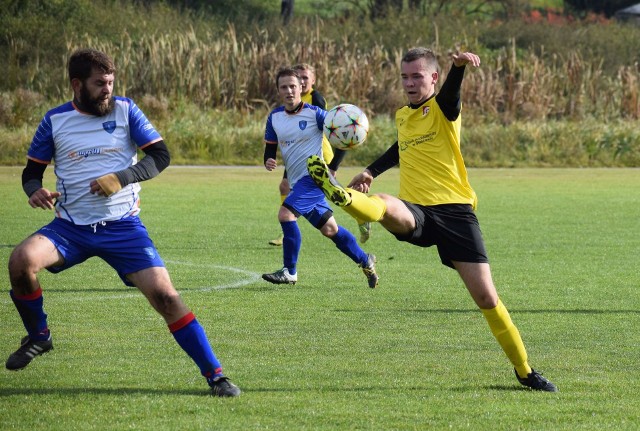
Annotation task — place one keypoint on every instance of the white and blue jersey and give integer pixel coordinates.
(298, 135)
(84, 147)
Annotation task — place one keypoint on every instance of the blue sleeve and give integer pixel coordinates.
(269, 133)
(320, 116)
(42, 146)
(141, 129)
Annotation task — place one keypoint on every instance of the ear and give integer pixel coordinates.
(76, 85)
(434, 77)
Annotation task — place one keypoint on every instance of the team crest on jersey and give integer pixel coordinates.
(302, 124)
(425, 111)
(109, 126)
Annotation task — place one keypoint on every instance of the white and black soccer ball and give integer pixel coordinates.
(346, 126)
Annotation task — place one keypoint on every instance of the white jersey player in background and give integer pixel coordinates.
(296, 128)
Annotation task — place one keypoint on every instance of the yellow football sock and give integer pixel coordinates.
(327, 150)
(365, 208)
(508, 337)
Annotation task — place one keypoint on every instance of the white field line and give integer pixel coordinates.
(243, 278)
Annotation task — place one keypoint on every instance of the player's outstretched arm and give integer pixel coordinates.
(464, 58)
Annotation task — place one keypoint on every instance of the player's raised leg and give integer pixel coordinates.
(319, 172)
(360, 206)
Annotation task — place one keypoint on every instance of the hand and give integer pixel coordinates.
(362, 182)
(464, 58)
(106, 185)
(270, 164)
(43, 198)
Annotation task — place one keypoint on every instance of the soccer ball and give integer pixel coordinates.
(346, 126)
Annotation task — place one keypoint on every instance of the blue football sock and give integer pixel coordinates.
(346, 243)
(291, 244)
(191, 337)
(34, 319)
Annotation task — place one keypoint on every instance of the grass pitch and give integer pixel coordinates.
(330, 353)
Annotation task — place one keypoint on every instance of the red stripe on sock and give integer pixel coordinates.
(30, 297)
(216, 372)
(182, 322)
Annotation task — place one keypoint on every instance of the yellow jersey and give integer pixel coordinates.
(432, 171)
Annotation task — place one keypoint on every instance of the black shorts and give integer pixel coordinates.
(453, 228)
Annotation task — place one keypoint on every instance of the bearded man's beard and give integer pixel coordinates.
(95, 106)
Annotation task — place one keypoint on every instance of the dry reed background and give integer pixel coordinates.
(209, 94)
(226, 71)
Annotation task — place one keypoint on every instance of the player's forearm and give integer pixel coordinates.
(387, 161)
(449, 96)
(156, 160)
(32, 177)
(270, 152)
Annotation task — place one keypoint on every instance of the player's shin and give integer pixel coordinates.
(30, 308)
(190, 335)
(508, 337)
(291, 245)
(346, 243)
(365, 208)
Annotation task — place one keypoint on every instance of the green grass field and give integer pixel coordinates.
(330, 353)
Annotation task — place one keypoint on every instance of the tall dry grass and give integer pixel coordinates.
(231, 71)
(209, 93)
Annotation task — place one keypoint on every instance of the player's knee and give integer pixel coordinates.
(22, 261)
(167, 303)
(22, 273)
(329, 229)
(486, 301)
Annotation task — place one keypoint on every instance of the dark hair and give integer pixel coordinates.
(416, 53)
(83, 61)
(287, 71)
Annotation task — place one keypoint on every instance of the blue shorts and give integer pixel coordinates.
(307, 200)
(124, 244)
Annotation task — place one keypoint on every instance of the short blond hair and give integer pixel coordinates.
(305, 66)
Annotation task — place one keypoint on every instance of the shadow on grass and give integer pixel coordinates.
(75, 391)
(134, 291)
(8, 392)
(475, 310)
